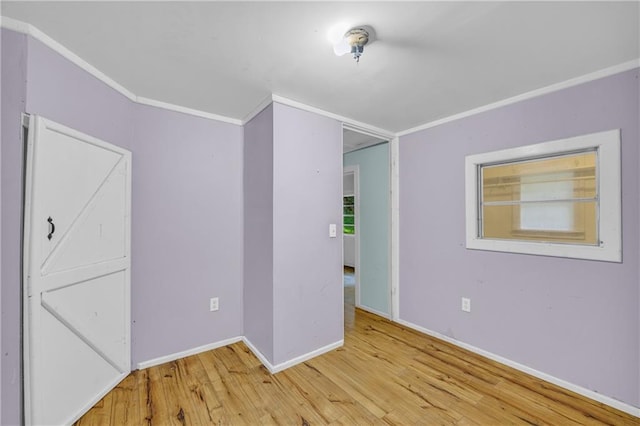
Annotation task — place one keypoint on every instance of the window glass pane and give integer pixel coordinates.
(550, 199)
(503, 222)
(348, 212)
(555, 178)
(547, 216)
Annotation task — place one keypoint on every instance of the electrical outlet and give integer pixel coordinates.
(466, 304)
(213, 304)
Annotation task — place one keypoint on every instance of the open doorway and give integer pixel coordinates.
(350, 244)
(366, 223)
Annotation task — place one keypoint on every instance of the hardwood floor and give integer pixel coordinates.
(384, 374)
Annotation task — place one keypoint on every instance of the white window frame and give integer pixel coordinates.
(609, 217)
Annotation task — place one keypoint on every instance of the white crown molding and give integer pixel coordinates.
(182, 354)
(348, 122)
(616, 69)
(32, 31)
(189, 111)
(622, 406)
(383, 137)
(258, 109)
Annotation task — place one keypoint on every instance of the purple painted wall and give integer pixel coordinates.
(576, 320)
(187, 232)
(13, 86)
(187, 207)
(258, 232)
(56, 89)
(307, 264)
(60, 91)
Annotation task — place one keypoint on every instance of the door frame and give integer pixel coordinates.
(29, 135)
(355, 171)
(393, 250)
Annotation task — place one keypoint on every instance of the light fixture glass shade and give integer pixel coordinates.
(336, 32)
(342, 47)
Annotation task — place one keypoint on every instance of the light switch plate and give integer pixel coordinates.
(333, 230)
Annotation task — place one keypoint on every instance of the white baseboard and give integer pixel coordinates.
(297, 360)
(263, 359)
(188, 352)
(272, 368)
(622, 406)
(374, 311)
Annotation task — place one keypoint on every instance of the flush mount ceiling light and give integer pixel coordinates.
(353, 41)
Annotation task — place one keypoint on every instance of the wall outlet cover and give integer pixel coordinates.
(213, 304)
(466, 304)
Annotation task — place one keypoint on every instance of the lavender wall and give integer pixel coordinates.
(60, 91)
(187, 232)
(13, 87)
(576, 320)
(307, 264)
(187, 206)
(56, 89)
(258, 232)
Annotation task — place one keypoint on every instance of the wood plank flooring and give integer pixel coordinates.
(384, 374)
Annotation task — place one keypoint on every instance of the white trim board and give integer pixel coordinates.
(606, 72)
(183, 354)
(188, 111)
(605, 146)
(273, 369)
(355, 125)
(622, 406)
(32, 31)
(374, 312)
(28, 29)
(258, 109)
(395, 227)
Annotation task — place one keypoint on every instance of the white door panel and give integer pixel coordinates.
(94, 311)
(68, 165)
(61, 406)
(98, 233)
(77, 269)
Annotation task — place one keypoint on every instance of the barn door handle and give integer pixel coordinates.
(53, 228)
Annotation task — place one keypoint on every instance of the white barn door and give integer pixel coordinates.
(77, 272)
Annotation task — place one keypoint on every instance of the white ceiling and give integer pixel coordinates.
(430, 60)
(352, 141)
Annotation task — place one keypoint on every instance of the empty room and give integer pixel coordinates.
(309, 213)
